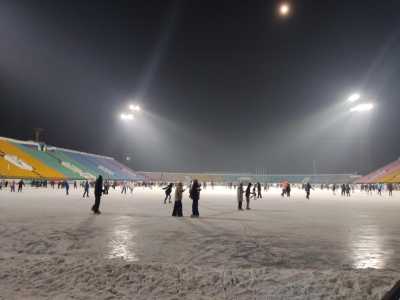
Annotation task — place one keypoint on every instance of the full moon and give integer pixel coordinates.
(284, 9)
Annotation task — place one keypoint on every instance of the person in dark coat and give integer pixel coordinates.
(248, 193)
(195, 196)
(288, 190)
(98, 190)
(168, 191)
(20, 185)
(390, 188)
(259, 195)
(308, 188)
(66, 185)
(86, 189)
(177, 212)
(240, 196)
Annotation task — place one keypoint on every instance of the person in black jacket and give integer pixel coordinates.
(259, 195)
(195, 196)
(168, 191)
(308, 188)
(86, 191)
(248, 193)
(98, 190)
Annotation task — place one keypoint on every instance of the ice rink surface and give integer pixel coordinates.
(328, 247)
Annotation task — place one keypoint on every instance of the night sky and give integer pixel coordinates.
(224, 85)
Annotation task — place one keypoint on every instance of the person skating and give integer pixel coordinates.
(308, 188)
(66, 185)
(168, 191)
(86, 189)
(20, 185)
(177, 212)
(75, 185)
(348, 190)
(390, 188)
(12, 186)
(195, 196)
(288, 190)
(259, 195)
(254, 193)
(248, 193)
(98, 190)
(240, 196)
(343, 190)
(123, 191)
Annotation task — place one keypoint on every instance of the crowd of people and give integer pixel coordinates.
(244, 192)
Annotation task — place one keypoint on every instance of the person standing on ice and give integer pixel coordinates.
(308, 188)
(98, 190)
(288, 190)
(240, 196)
(168, 191)
(259, 195)
(195, 196)
(177, 212)
(12, 186)
(86, 189)
(20, 185)
(248, 193)
(390, 188)
(347, 190)
(66, 185)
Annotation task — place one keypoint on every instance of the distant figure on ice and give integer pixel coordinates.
(348, 190)
(195, 196)
(288, 190)
(390, 188)
(254, 193)
(240, 196)
(380, 187)
(12, 186)
(20, 185)
(259, 190)
(75, 185)
(248, 193)
(66, 185)
(123, 191)
(308, 188)
(168, 191)
(177, 212)
(343, 190)
(98, 190)
(86, 189)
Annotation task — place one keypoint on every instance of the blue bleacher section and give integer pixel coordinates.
(102, 165)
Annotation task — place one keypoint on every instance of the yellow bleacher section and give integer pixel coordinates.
(8, 169)
(393, 177)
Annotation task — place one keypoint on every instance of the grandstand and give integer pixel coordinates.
(247, 177)
(30, 160)
(389, 173)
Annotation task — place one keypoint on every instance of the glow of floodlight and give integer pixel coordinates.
(126, 117)
(284, 9)
(362, 107)
(134, 107)
(354, 97)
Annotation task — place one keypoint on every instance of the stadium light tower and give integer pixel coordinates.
(126, 117)
(354, 97)
(284, 9)
(363, 107)
(134, 107)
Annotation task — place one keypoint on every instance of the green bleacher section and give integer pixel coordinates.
(50, 161)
